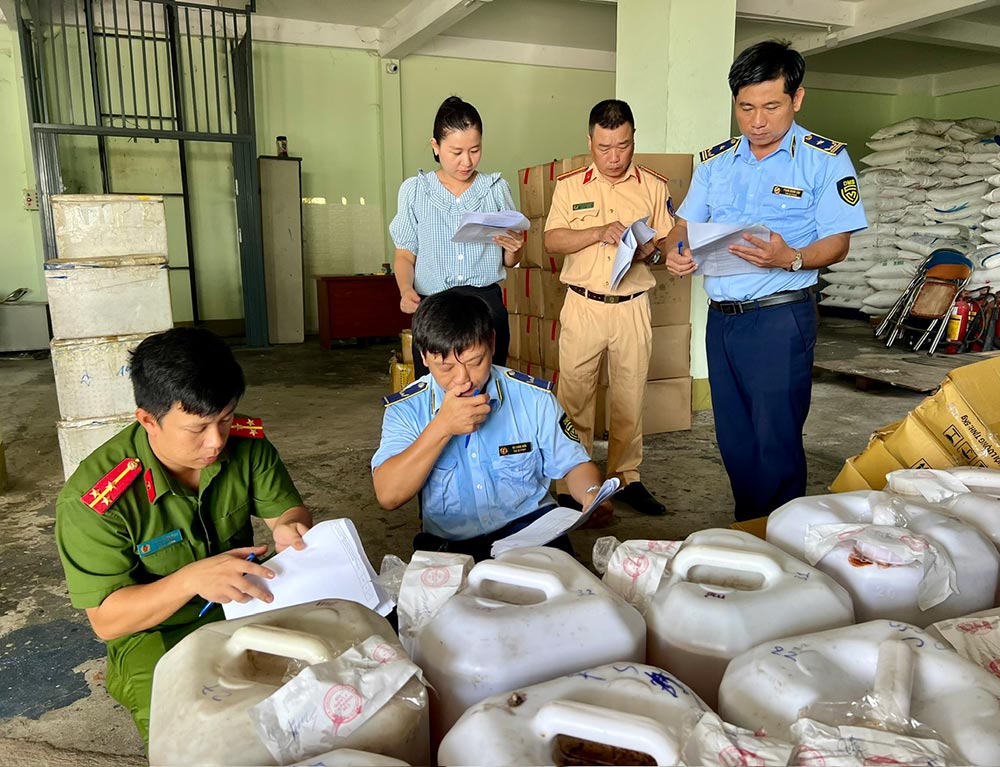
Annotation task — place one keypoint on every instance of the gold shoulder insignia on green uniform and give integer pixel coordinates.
(652, 172)
(569, 173)
(414, 388)
(823, 144)
(715, 151)
(109, 489)
(539, 383)
(247, 427)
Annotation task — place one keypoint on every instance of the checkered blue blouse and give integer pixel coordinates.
(428, 216)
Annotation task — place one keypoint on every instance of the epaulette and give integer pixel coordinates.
(569, 173)
(538, 383)
(652, 172)
(827, 145)
(715, 151)
(247, 427)
(414, 388)
(109, 489)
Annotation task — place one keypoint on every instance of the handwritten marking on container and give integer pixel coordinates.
(587, 675)
(661, 680)
(802, 576)
(634, 567)
(623, 669)
(435, 577)
(215, 692)
(808, 757)
(85, 379)
(917, 640)
(734, 756)
(975, 627)
(342, 704)
(714, 595)
(384, 653)
(791, 653)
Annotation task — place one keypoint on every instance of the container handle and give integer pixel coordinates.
(607, 727)
(729, 558)
(276, 640)
(545, 581)
(893, 684)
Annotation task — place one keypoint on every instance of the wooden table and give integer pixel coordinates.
(358, 306)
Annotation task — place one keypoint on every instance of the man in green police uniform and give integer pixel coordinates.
(144, 557)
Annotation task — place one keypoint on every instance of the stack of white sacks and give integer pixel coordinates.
(929, 184)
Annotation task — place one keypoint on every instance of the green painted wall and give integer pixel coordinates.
(984, 102)
(847, 117)
(21, 261)
(538, 114)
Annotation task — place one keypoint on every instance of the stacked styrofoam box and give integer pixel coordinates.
(107, 290)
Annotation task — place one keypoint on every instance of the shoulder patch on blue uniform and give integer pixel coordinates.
(540, 383)
(414, 388)
(823, 144)
(715, 151)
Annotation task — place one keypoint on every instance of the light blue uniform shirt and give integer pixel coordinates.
(504, 473)
(428, 217)
(800, 191)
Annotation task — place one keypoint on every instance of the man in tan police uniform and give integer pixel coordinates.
(591, 209)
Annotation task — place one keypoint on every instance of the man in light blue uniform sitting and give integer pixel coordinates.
(762, 325)
(480, 443)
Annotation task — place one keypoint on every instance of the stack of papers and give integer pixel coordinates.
(710, 243)
(551, 525)
(333, 565)
(483, 227)
(639, 233)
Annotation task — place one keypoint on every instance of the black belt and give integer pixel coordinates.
(775, 299)
(603, 298)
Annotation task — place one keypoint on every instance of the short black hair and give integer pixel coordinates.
(451, 322)
(455, 115)
(610, 114)
(767, 61)
(190, 366)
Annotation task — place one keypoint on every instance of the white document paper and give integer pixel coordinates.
(554, 523)
(710, 243)
(483, 227)
(639, 233)
(333, 565)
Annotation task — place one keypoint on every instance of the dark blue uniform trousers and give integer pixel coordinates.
(760, 373)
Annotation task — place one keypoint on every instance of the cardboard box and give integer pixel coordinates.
(915, 447)
(533, 369)
(550, 343)
(400, 373)
(536, 184)
(406, 337)
(514, 326)
(553, 294)
(669, 300)
(667, 406)
(875, 462)
(529, 283)
(531, 339)
(671, 357)
(574, 162)
(514, 363)
(964, 414)
(849, 479)
(551, 374)
(756, 527)
(511, 296)
(678, 168)
(532, 251)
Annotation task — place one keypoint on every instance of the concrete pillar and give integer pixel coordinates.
(391, 126)
(673, 57)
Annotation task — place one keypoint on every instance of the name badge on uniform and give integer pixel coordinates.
(516, 449)
(158, 543)
(583, 205)
(787, 191)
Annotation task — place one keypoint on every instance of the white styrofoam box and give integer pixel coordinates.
(618, 707)
(734, 591)
(92, 375)
(80, 438)
(108, 296)
(525, 617)
(880, 586)
(101, 225)
(24, 326)
(770, 686)
(205, 686)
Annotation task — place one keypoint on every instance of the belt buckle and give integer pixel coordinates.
(612, 299)
(732, 308)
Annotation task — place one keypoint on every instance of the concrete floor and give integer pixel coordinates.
(322, 410)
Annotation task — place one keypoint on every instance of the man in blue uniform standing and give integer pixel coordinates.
(762, 324)
(479, 443)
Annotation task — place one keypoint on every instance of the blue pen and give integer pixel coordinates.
(208, 605)
(680, 247)
(469, 435)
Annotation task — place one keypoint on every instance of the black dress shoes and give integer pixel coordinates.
(639, 498)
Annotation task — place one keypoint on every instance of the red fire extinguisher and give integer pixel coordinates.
(958, 323)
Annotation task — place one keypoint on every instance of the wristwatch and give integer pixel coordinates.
(656, 258)
(796, 262)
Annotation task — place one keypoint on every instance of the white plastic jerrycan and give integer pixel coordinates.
(349, 757)
(728, 591)
(898, 558)
(612, 714)
(528, 616)
(204, 687)
(893, 671)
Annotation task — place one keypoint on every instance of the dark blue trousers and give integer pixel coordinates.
(760, 372)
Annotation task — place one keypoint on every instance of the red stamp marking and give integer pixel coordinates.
(384, 653)
(876, 760)
(975, 627)
(994, 667)
(635, 566)
(342, 704)
(435, 577)
(808, 757)
(914, 543)
(734, 756)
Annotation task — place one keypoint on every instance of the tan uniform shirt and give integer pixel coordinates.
(584, 199)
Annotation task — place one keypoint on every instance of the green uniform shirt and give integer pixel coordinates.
(158, 525)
